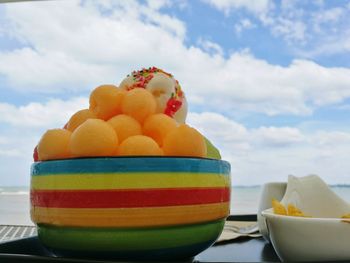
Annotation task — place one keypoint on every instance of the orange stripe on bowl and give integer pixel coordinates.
(130, 217)
(126, 198)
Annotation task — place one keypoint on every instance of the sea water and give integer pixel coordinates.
(245, 199)
(15, 204)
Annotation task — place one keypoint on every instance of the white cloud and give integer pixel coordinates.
(225, 133)
(290, 29)
(279, 137)
(10, 153)
(158, 4)
(3, 140)
(254, 6)
(78, 48)
(288, 22)
(332, 15)
(243, 24)
(329, 139)
(81, 45)
(246, 83)
(330, 45)
(272, 153)
(331, 35)
(210, 47)
(54, 113)
(313, 32)
(42, 71)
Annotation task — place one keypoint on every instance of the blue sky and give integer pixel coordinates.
(224, 29)
(275, 75)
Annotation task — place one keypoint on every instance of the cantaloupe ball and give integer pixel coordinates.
(139, 145)
(184, 141)
(105, 101)
(125, 126)
(157, 126)
(54, 144)
(78, 118)
(139, 104)
(94, 137)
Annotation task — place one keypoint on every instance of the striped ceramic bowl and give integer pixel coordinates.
(130, 207)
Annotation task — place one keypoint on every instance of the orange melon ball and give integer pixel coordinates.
(139, 104)
(105, 101)
(125, 126)
(94, 137)
(157, 126)
(184, 141)
(78, 118)
(54, 144)
(139, 145)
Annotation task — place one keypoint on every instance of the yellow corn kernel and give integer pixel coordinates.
(278, 208)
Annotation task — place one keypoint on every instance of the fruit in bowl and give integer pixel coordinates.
(127, 177)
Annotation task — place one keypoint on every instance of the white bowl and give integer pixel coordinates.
(308, 239)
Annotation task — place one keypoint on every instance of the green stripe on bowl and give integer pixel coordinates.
(130, 164)
(120, 240)
(182, 254)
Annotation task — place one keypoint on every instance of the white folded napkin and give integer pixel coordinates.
(314, 197)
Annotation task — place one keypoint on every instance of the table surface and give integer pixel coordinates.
(243, 250)
(239, 250)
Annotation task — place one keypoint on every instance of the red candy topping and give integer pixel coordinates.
(35, 154)
(172, 106)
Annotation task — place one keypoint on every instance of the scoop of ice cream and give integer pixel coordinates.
(164, 87)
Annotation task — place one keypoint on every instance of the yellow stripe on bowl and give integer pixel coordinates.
(89, 181)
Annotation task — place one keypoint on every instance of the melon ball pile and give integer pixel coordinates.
(121, 122)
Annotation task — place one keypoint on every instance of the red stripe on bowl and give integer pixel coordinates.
(128, 198)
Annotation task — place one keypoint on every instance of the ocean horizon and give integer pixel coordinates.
(15, 203)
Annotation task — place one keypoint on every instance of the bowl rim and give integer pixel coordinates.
(135, 157)
(133, 164)
(269, 214)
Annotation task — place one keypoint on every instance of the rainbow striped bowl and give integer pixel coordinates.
(130, 207)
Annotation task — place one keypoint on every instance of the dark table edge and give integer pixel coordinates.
(249, 217)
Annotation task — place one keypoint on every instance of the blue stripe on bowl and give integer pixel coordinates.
(131, 164)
